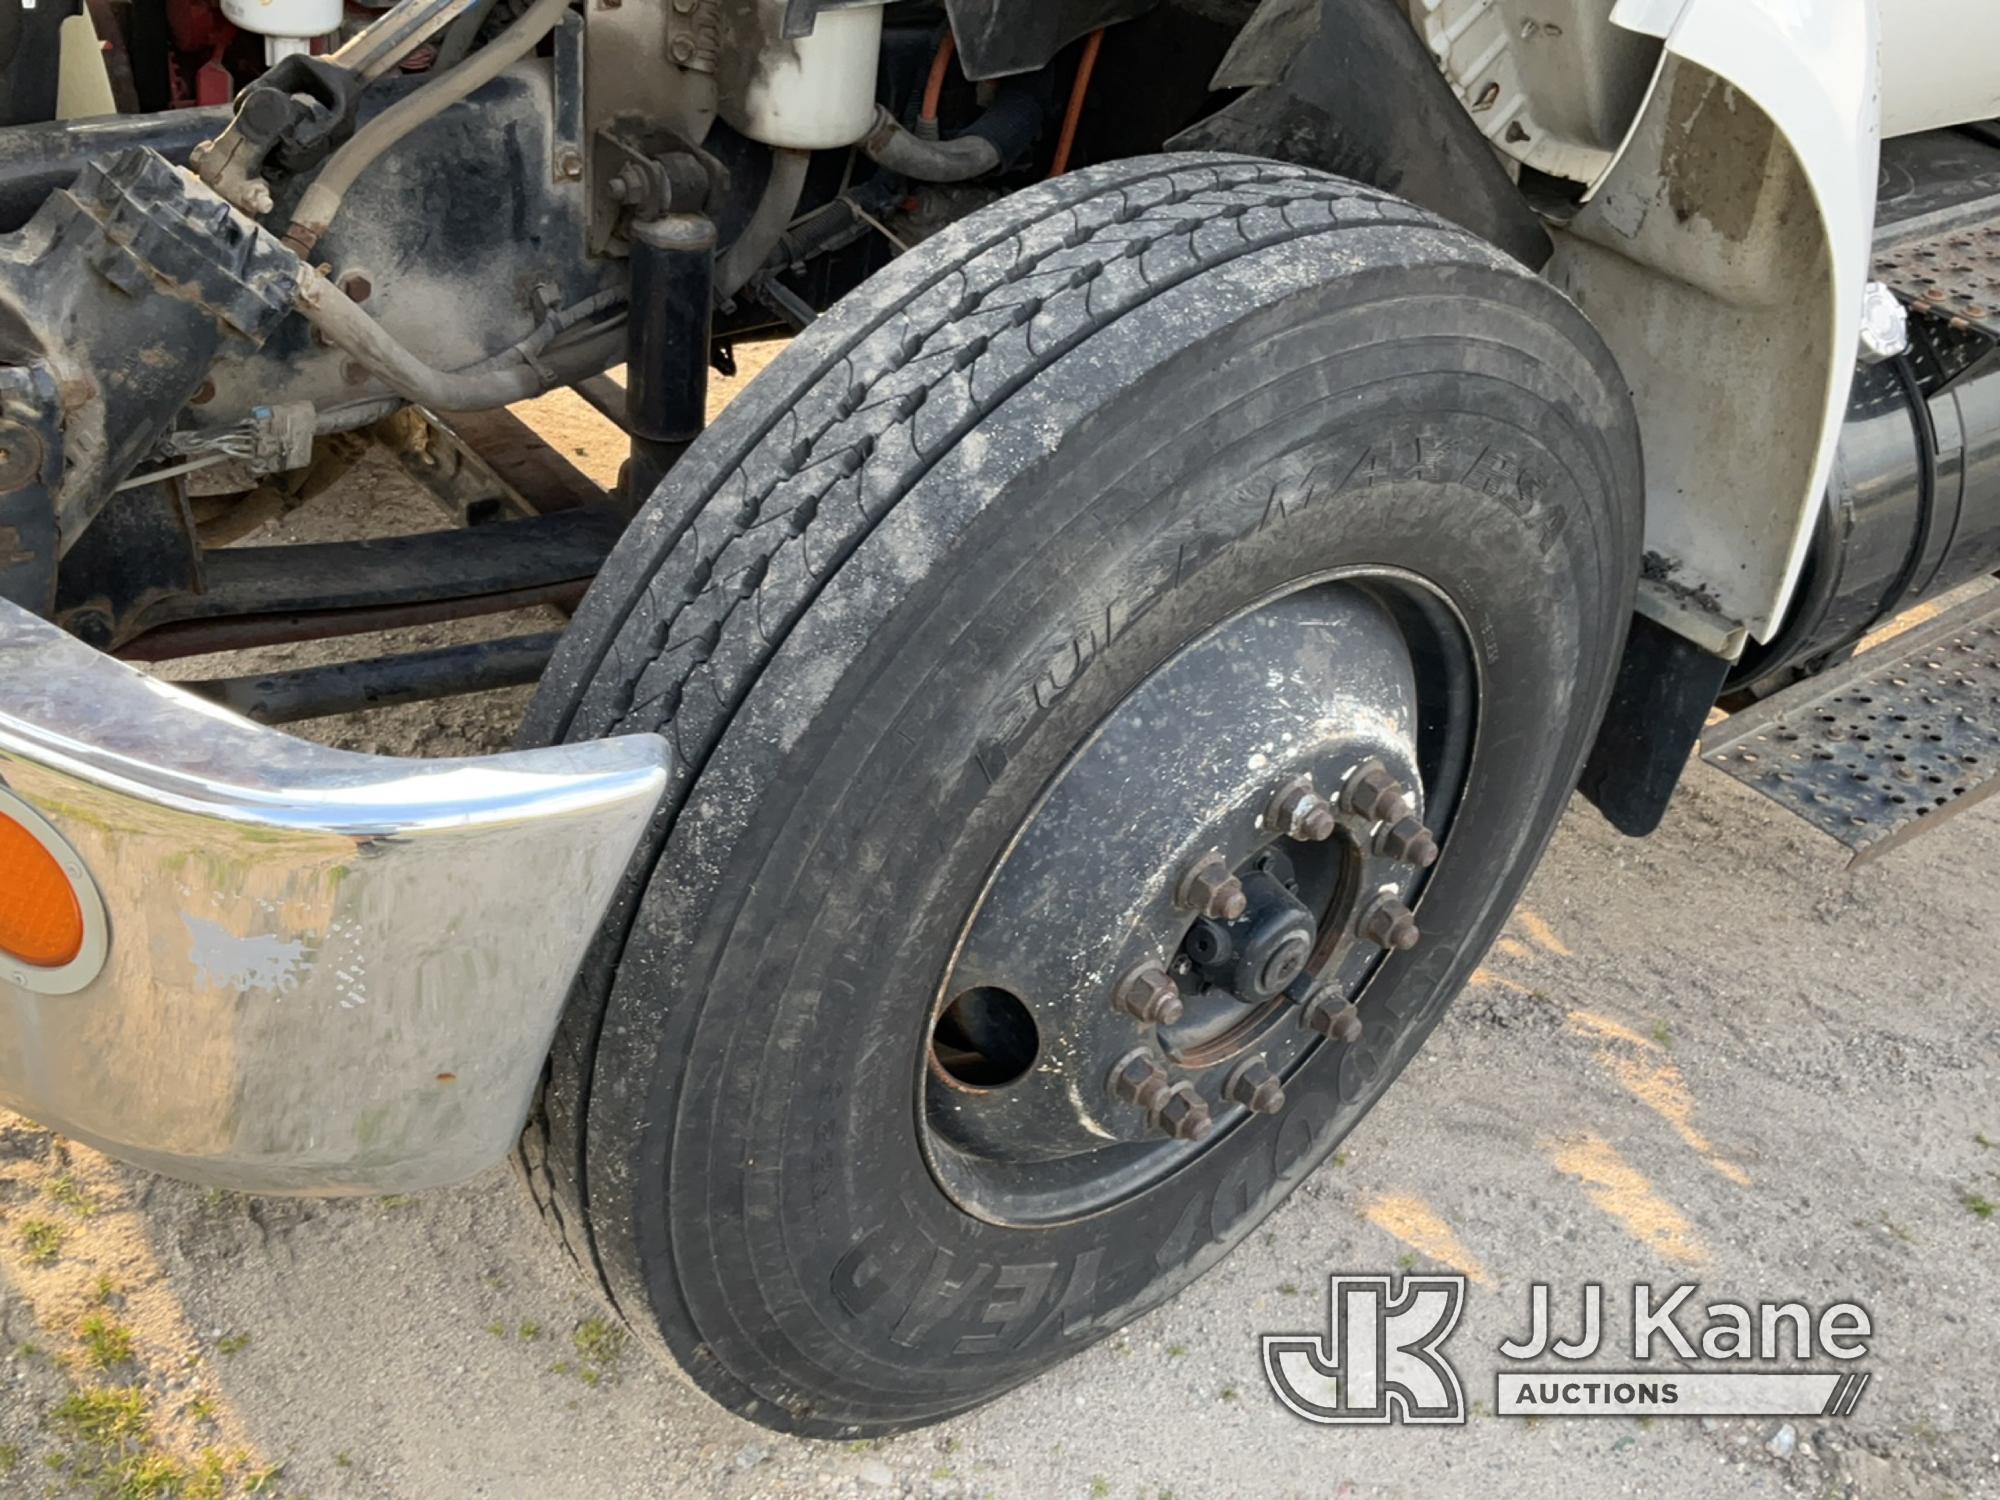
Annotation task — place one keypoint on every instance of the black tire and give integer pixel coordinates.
(1146, 394)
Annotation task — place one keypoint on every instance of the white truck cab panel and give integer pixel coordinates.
(1940, 63)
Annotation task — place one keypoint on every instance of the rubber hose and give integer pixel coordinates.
(959, 159)
(746, 256)
(350, 329)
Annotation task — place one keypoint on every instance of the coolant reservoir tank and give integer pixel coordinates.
(808, 93)
(285, 25)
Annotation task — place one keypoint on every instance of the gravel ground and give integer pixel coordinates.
(1715, 1055)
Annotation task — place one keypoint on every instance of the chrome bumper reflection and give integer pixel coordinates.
(326, 972)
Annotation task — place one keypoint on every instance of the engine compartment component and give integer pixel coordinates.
(304, 106)
(445, 206)
(322, 199)
(288, 27)
(807, 93)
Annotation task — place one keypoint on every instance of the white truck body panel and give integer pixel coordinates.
(1811, 66)
(1835, 77)
(1940, 63)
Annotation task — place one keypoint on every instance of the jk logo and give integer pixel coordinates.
(1380, 1361)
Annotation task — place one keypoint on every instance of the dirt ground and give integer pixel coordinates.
(1715, 1055)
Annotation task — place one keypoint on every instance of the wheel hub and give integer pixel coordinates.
(1256, 957)
(1189, 913)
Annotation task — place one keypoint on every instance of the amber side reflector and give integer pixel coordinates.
(40, 921)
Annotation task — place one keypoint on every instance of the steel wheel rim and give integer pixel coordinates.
(1112, 1148)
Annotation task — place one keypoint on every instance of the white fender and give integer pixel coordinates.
(1731, 538)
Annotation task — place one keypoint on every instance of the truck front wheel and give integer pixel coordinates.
(1123, 664)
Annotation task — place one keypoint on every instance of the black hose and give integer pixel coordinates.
(959, 159)
(1920, 418)
(746, 255)
(1002, 134)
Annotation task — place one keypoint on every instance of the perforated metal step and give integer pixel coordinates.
(1954, 273)
(1885, 745)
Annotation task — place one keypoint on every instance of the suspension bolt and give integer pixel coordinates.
(1407, 842)
(1299, 812)
(1254, 1086)
(1148, 993)
(1210, 888)
(1371, 792)
(1184, 1115)
(1343, 1025)
(1139, 1080)
(1389, 924)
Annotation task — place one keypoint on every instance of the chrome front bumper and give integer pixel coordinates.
(321, 972)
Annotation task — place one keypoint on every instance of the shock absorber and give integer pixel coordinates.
(666, 374)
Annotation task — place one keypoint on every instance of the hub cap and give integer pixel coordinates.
(1196, 907)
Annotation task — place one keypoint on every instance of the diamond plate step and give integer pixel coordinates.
(1954, 273)
(1885, 745)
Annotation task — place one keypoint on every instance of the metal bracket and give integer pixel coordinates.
(31, 461)
(638, 94)
(566, 162)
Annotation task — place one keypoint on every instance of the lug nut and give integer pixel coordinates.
(1299, 812)
(1407, 842)
(1390, 924)
(1256, 1088)
(1148, 993)
(1371, 792)
(1343, 1025)
(1209, 888)
(1184, 1115)
(1139, 1080)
